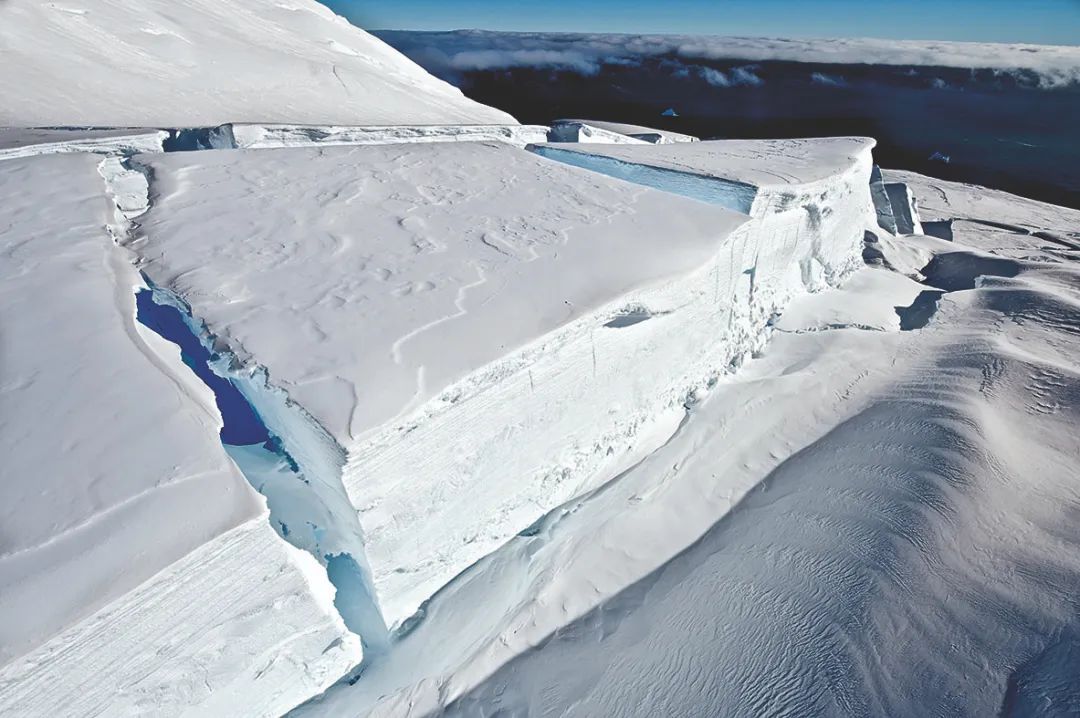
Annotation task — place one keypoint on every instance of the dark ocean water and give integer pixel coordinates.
(999, 130)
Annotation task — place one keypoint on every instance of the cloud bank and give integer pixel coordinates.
(1044, 66)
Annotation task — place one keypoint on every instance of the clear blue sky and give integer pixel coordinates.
(1039, 21)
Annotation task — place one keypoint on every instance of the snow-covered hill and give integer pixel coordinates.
(191, 63)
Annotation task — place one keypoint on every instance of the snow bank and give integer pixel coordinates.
(450, 316)
(200, 63)
(138, 572)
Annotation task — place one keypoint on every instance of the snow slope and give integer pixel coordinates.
(138, 572)
(198, 63)
(460, 319)
(862, 521)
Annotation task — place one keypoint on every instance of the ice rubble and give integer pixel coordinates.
(199, 63)
(329, 274)
(126, 525)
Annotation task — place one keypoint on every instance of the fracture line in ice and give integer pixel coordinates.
(281, 450)
(732, 195)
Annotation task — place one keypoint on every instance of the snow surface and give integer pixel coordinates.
(862, 521)
(138, 573)
(197, 63)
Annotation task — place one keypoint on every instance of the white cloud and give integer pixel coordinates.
(732, 78)
(820, 78)
(1048, 65)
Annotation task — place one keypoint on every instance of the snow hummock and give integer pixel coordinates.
(198, 63)
(138, 571)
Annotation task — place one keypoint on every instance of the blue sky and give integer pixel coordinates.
(1039, 21)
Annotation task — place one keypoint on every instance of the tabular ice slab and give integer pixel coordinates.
(465, 336)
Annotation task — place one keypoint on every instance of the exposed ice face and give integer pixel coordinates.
(736, 196)
(905, 208)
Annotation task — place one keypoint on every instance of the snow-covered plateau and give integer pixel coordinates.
(325, 391)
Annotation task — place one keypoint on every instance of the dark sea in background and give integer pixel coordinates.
(1001, 130)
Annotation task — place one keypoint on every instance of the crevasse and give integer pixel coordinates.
(282, 452)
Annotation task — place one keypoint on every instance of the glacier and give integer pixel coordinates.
(328, 391)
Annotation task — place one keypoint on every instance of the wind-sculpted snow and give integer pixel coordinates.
(138, 573)
(197, 63)
(862, 521)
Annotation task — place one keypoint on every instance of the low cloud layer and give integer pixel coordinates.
(1046, 66)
